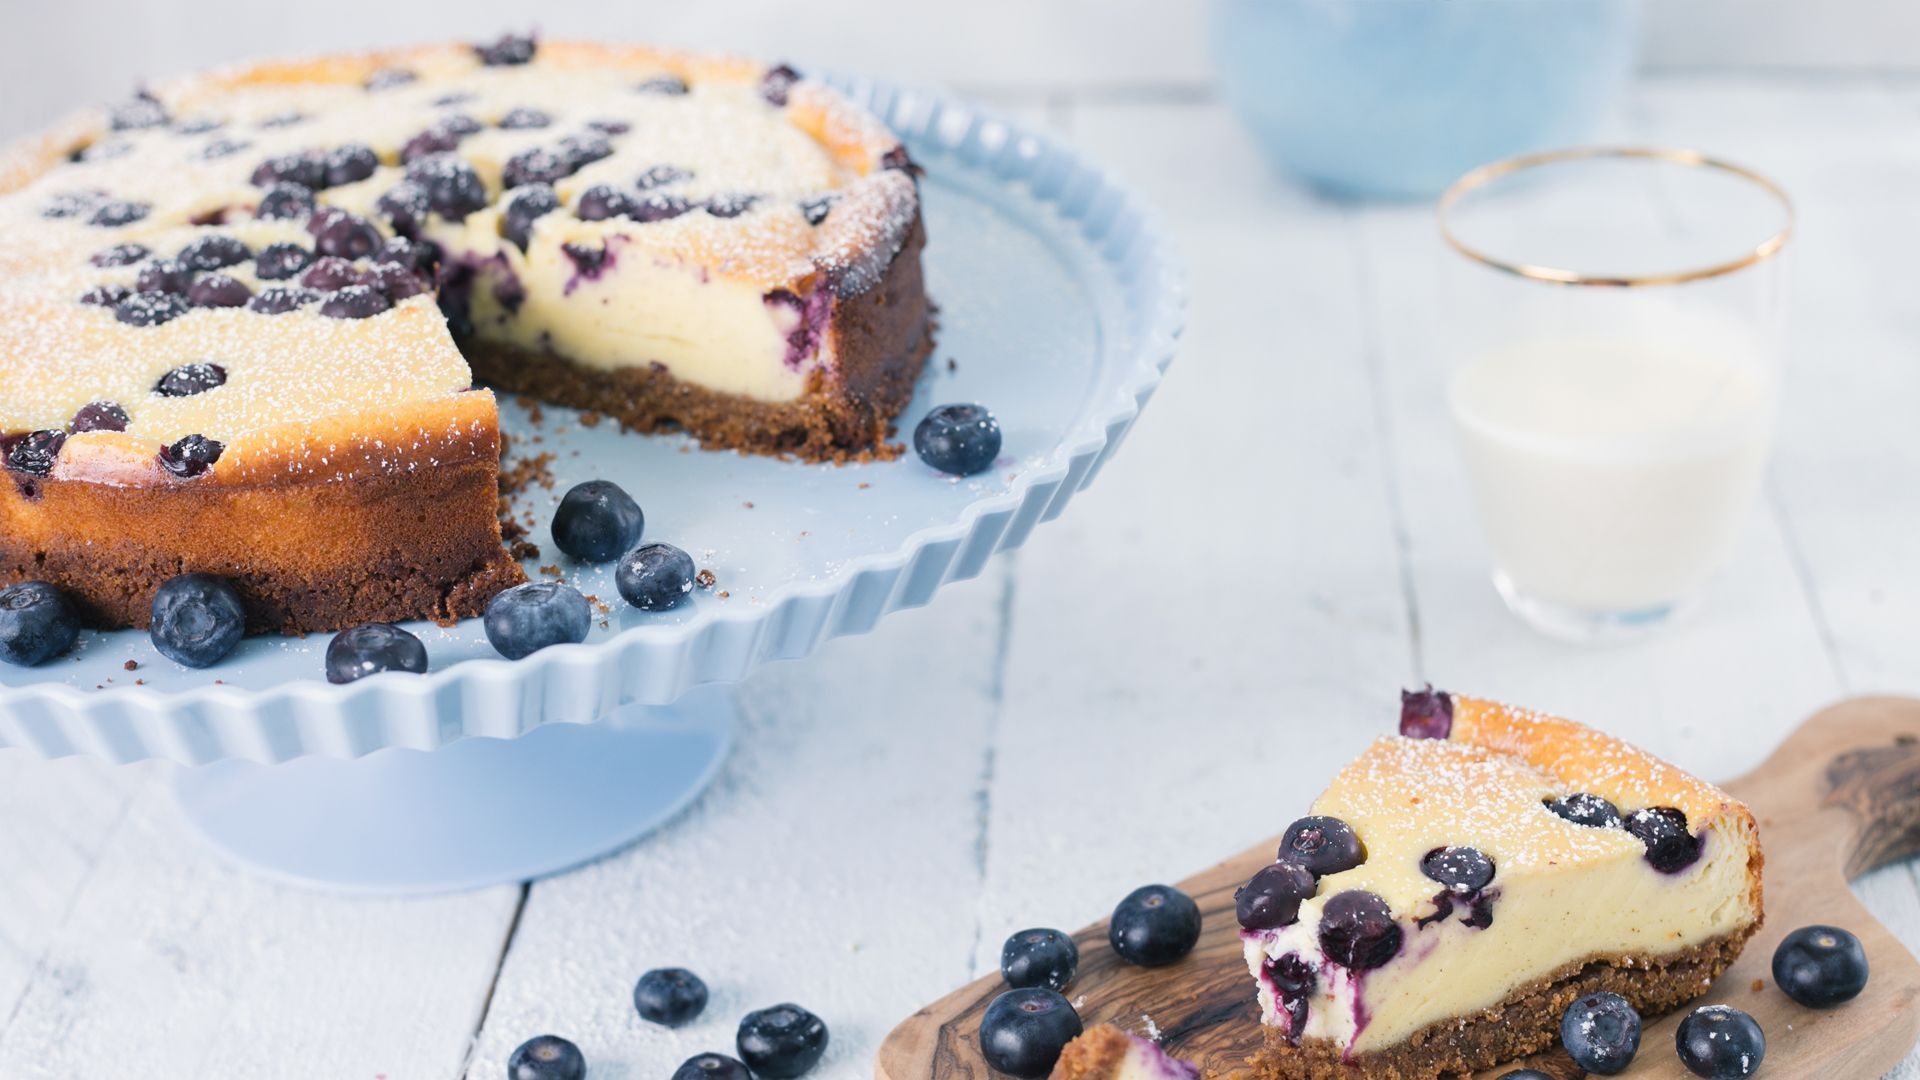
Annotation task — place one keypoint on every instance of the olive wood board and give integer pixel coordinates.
(1840, 797)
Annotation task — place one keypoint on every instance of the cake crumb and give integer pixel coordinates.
(131, 665)
(551, 571)
(590, 419)
(952, 364)
(706, 579)
(864, 485)
(723, 594)
(1759, 985)
(748, 505)
(139, 682)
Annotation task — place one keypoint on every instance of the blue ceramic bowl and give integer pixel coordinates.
(1397, 98)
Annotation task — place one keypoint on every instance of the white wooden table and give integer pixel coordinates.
(1163, 676)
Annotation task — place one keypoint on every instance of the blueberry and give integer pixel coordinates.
(150, 309)
(117, 212)
(143, 110)
(898, 158)
(597, 521)
(199, 125)
(581, 151)
(1601, 1032)
(527, 618)
(99, 416)
(546, 1057)
(163, 276)
(330, 273)
(522, 118)
(281, 260)
(105, 295)
(782, 1041)
(190, 379)
(669, 996)
(958, 439)
(396, 281)
(1462, 870)
(191, 456)
(654, 577)
(1589, 810)
(438, 139)
(284, 202)
(660, 176)
(816, 210)
(659, 207)
(355, 302)
(536, 165)
(120, 255)
(528, 204)
(610, 127)
(305, 168)
(418, 255)
(731, 204)
(214, 252)
(670, 85)
(601, 202)
(711, 1067)
(389, 77)
(281, 299)
(777, 83)
(1720, 1043)
(1024, 1031)
(35, 452)
(218, 291)
(460, 124)
(67, 204)
(1358, 931)
(1272, 898)
(223, 147)
(1663, 829)
(197, 620)
(1293, 982)
(284, 120)
(371, 649)
(1154, 925)
(1039, 957)
(587, 261)
(1820, 966)
(509, 50)
(1324, 845)
(36, 623)
(454, 189)
(349, 236)
(351, 162)
(1426, 714)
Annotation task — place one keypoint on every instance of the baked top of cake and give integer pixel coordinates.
(1104, 1052)
(1455, 883)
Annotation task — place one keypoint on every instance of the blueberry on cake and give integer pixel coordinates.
(247, 316)
(1104, 1052)
(1457, 887)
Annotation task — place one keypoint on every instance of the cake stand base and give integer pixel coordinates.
(479, 812)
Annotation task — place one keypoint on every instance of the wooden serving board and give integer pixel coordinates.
(1840, 797)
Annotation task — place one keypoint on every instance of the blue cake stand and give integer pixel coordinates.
(1060, 299)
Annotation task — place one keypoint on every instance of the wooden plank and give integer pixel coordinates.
(1838, 791)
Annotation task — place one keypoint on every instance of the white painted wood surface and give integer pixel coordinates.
(1162, 676)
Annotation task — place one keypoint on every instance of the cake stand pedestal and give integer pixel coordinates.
(474, 813)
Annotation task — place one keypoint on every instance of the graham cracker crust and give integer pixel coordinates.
(1093, 1056)
(1526, 1022)
(881, 341)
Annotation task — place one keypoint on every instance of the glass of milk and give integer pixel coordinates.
(1616, 322)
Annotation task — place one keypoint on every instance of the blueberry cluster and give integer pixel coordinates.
(646, 200)
(1671, 848)
(97, 207)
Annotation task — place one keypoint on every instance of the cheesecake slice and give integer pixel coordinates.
(1104, 1052)
(1456, 887)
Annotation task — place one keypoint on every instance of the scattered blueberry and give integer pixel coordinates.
(351, 162)
(355, 302)
(731, 204)
(223, 147)
(197, 620)
(523, 118)
(610, 127)
(372, 649)
(1720, 1043)
(1663, 829)
(1462, 870)
(1426, 714)
(214, 252)
(898, 158)
(1820, 966)
(670, 85)
(1039, 957)
(777, 83)
(438, 139)
(329, 273)
(669, 996)
(597, 521)
(36, 623)
(1024, 1031)
(581, 151)
(660, 176)
(958, 439)
(659, 207)
(143, 110)
(1154, 925)
(454, 189)
(67, 204)
(588, 260)
(281, 260)
(711, 1067)
(460, 124)
(198, 125)
(120, 255)
(106, 295)
(117, 212)
(284, 202)
(601, 202)
(35, 452)
(150, 309)
(418, 255)
(546, 1057)
(1601, 1032)
(1589, 810)
(654, 577)
(218, 291)
(1271, 899)
(527, 618)
(349, 236)
(1324, 845)
(190, 379)
(281, 299)
(388, 78)
(509, 50)
(100, 416)
(283, 120)
(527, 205)
(396, 281)
(783, 1041)
(163, 276)
(458, 97)
(1293, 982)
(1358, 931)
(535, 165)
(816, 210)
(191, 456)
(305, 168)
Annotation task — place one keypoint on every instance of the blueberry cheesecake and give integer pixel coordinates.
(1104, 1052)
(1457, 888)
(248, 314)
